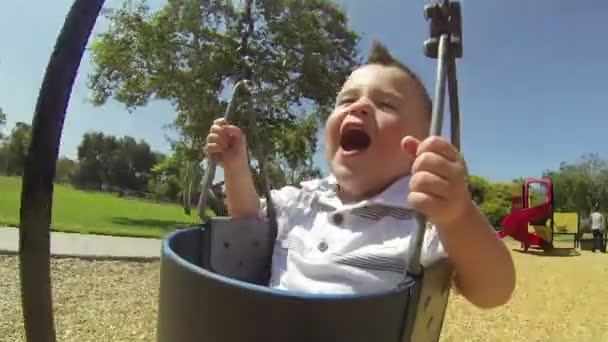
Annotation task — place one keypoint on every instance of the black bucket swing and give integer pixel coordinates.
(213, 276)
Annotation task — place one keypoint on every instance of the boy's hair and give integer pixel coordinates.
(379, 54)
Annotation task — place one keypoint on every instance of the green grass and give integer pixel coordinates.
(90, 212)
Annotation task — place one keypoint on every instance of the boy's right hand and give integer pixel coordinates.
(227, 142)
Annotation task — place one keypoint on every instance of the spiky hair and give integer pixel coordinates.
(379, 54)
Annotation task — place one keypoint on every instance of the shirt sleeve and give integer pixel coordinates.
(282, 199)
(432, 248)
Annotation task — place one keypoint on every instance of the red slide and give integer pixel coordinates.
(515, 225)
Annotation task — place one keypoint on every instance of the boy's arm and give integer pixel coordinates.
(485, 273)
(229, 144)
(241, 196)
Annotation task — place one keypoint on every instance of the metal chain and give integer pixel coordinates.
(444, 44)
(243, 88)
(246, 28)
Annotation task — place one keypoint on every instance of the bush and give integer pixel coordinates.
(495, 212)
(167, 189)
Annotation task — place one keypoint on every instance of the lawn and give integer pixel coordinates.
(560, 296)
(97, 213)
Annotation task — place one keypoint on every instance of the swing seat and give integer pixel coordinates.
(212, 289)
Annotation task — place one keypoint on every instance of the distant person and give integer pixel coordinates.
(597, 223)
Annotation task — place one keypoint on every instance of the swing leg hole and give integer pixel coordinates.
(240, 263)
(226, 244)
(256, 244)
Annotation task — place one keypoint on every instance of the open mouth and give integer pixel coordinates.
(354, 139)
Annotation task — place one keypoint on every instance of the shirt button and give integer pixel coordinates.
(337, 218)
(323, 246)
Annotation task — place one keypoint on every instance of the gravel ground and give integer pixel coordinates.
(558, 298)
(94, 300)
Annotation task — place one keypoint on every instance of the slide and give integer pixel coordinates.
(515, 225)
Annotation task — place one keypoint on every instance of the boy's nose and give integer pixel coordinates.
(362, 107)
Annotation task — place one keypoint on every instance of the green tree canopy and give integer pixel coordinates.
(581, 185)
(186, 53)
(2, 122)
(119, 162)
(14, 149)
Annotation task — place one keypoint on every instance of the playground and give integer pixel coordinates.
(211, 282)
(558, 298)
(534, 222)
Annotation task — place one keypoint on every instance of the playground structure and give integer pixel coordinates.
(534, 223)
(532, 220)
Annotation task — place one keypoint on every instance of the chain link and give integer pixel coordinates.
(243, 88)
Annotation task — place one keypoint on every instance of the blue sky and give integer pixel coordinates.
(532, 90)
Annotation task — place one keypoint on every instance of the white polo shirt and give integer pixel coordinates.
(325, 246)
(596, 221)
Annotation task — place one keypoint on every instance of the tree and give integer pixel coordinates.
(15, 149)
(494, 199)
(479, 188)
(122, 163)
(165, 179)
(582, 185)
(65, 170)
(94, 155)
(130, 164)
(2, 121)
(186, 53)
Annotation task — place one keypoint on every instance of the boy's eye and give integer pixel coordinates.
(346, 100)
(386, 105)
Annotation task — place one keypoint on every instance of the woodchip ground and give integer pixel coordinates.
(560, 297)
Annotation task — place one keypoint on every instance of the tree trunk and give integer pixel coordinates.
(39, 170)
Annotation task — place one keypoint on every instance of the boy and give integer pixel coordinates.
(350, 231)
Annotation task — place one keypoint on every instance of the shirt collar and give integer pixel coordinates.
(395, 195)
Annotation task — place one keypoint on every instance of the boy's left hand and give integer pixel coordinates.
(438, 187)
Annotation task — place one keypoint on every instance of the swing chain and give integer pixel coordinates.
(445, 45)
(246, 30)
(243, 88)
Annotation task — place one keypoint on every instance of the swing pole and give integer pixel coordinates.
(444, 45)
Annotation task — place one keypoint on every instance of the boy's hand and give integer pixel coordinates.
(228, 143)
(438, 187)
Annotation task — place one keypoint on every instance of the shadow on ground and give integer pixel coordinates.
(163, 224)
(555, 252)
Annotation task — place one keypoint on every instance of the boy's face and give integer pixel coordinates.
(376, 108)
